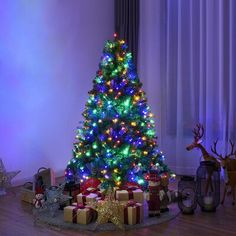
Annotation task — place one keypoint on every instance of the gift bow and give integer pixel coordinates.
(93, 213)
(131, 203)
(79, 206)
(90, 190)
(129, 188)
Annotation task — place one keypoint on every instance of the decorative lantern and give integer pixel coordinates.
(187, 200)
(208, 186)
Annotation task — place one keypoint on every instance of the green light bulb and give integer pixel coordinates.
(88, 153)
(140, 181)
(127, 102)
(126, 151)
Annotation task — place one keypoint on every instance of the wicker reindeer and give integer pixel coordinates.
(229, 165)
(198, 132)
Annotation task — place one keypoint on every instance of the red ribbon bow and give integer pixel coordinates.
(87, 192)
(131, 203)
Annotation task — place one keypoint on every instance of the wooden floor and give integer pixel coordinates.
(16, 220)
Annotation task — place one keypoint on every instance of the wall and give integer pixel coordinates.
(49, 54)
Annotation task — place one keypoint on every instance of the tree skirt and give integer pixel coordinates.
(58, 221)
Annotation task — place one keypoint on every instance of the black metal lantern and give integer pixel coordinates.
(187, 201)
(208, 186)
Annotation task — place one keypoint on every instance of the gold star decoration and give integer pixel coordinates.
(5, 178)
(108, 210)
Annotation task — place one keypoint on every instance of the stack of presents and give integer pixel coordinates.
(79, 209)
(130, 196)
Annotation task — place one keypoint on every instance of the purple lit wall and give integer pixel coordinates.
(49, 54)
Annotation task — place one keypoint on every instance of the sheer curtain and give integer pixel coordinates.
(187, 61)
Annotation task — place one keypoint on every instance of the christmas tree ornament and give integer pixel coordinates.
(5, 178)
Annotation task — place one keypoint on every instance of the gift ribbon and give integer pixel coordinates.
(129, 189)
(93, 213)
(87, 192)
(74, 212)
(132, 204)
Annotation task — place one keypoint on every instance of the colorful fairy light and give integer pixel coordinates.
(117, 141)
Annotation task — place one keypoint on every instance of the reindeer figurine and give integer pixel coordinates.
(198, 132)
(229, 165)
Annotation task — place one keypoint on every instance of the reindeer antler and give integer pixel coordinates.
(215, 151)
(198, 131)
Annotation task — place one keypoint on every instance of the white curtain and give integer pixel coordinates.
(187, 62)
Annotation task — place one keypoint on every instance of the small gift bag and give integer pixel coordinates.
(44, 178)
(133, 213)
(79, 214)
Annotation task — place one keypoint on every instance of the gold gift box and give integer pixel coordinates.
(89, 198)
(83, 216)
(133, 214)
(123, 195)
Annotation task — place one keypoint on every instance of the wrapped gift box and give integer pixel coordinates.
(78, 214)
(133, 213)
(90, 195)
(83, 199)
(126, 195)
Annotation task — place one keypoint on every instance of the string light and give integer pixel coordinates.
(117, 139)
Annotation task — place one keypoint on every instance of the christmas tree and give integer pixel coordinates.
(117, 141)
